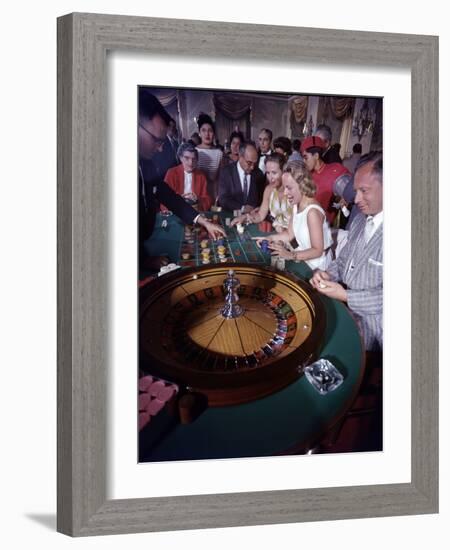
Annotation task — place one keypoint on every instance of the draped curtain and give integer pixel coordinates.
(167, 97)
(232, 111)
(299, 108)
(298, 113)
(233, 106)
(342, 107)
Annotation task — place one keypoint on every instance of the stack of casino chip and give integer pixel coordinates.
(205, 251)
(222, 251)
(189, 234)
(153, 396)
(265, 246)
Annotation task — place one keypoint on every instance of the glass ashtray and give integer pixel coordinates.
(323, 376)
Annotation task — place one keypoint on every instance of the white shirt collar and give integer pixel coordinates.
(240, 171)
(187, 182)
(377, 220)
(241, 174)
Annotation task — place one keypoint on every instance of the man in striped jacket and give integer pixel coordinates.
(356, 276)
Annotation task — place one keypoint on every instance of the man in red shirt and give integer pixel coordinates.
(324, 175)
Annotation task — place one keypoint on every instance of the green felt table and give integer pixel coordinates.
(286, 421)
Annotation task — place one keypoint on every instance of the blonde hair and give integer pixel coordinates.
(302, 176)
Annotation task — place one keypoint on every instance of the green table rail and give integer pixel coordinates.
(286, 421)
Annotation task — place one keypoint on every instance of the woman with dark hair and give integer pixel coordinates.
(283, 146)
(236, 138)
(308, 237)
(209, 157)
(274, 201)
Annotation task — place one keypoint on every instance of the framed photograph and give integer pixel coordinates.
(222, 356)
(88, 282)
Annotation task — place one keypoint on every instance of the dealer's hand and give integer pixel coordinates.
(214, 231)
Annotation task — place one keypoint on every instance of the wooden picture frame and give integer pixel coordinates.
(83, 42)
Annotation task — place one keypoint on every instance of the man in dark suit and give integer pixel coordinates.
(356, 276)
(168, 157)
(241, 183)
(152, 190)
(265, 147)
(330, 154)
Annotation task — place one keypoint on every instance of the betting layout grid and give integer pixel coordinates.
(196, 248)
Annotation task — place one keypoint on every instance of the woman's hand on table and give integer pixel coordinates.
(262, 238)
(238, 219)
(279, 249)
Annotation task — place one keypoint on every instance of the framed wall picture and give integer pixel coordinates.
(87, 279)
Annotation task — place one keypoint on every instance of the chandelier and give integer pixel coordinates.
(363, 121)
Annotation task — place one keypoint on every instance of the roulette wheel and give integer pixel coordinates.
(232, 333)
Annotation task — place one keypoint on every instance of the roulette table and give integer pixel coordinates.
(235, 333)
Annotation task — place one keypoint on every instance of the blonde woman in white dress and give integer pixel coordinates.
(308, 237)
(274, 200)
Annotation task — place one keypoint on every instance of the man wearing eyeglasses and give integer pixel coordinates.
(242, 183)
(153, 191)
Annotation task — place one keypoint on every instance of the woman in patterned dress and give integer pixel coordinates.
(274, 201)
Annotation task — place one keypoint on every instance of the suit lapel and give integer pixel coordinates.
(363, 251)
(237, 182)
(194, 182)
(181, 180)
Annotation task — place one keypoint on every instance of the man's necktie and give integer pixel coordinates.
(245, 188)
(369, 229)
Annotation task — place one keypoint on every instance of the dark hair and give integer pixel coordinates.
(283, 143)
(189, 146)
(377, 158)
(276, 157)
(357, 148)
(314, 150)
(243, 146)
(203, 118)
(238, 135)
(296, 145)
(267, 131)
(324, 131)
(150, 106)
(195, 137)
